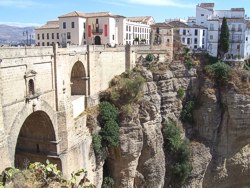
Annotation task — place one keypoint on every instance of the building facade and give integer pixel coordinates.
(237, 24)
(191, 35)
(78, 28)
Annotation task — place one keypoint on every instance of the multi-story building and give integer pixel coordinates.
(78, 28)
(193, 36)
(238, 27)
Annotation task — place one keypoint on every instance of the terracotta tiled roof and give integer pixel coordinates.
(73, 14)
(163, 24)
(89, 15)
(50, 25)
(208, 6)
(178, 24)
(142, 19)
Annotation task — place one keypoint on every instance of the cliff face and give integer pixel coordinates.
(223, 121)
(221, 150)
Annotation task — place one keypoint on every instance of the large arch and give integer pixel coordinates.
(36, 141)
(78, 79)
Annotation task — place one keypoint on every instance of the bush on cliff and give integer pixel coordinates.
(220, 72)
(187, 112)
(179, 152)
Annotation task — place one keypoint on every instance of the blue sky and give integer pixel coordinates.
(37, 12)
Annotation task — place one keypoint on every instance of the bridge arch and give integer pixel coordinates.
(36, 141)
(19, 120)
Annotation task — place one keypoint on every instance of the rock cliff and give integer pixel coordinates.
(220, 134)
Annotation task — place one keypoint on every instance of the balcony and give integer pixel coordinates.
(97, 31)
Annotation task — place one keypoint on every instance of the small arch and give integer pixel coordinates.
(78, 79)
(31, 87)
(98, 40)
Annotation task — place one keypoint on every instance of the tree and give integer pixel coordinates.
(224, 38)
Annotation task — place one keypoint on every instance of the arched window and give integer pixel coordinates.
(31, 87)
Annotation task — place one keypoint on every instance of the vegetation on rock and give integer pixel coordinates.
(220, 72)
(180, 93)
(179, 152)
(42, 175)
(187, 112)
(150, 57)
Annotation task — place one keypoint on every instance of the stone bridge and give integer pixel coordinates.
(44, 92)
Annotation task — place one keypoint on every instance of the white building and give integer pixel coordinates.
(238, 27)
(193, 36)
(94, 28)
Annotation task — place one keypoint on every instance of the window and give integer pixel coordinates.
(238, 47)
(47, 43)
(188, 41)
(195, 46)
(84, 25)
(246, 38)
(84, 35)
(38, 44)
(68, 35)
(203, 46)
(203, 34)
(126, 28)
(211, 26)
(52, 36)
(184, 32)
(64, 25)
(211, 37)
(233, 27)
(195, 40)
(43, 36)
(57, 36)
(47, 35)
(72, 24)
(202, 14)
(38, 36)
(183, 40)
(43, 44)
(239, 27)
(203, 41)
(113, 36)
(157, 30)
(31, 87)
(96, 21)
(196, 32)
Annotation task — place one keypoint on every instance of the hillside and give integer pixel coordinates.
(15, 35)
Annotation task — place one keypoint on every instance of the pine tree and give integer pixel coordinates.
(224, 38)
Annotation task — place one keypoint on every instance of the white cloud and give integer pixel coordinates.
(173, 3)
(19, 3)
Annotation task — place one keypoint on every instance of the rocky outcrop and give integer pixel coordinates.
(221, 150)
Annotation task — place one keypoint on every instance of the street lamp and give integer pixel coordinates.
(26, 33)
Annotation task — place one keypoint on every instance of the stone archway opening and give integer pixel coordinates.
(98, 40)
(78, 88)
(36, 141)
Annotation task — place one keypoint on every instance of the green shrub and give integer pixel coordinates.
(127, 110)
(150, 57)
(180, 93)
(108, 182)
(179, 151)
(187, 112)
(220, 72)
(127, 89)
(189, 63)
(172, 135)
(97, 143)
(110, 134)
(108, 111)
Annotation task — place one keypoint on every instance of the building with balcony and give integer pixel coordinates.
(78, 28)
(208, 17)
